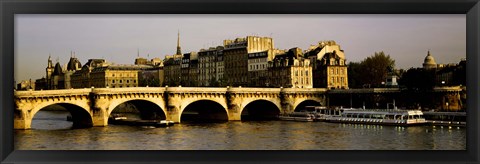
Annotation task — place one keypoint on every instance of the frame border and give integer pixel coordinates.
(9, 8)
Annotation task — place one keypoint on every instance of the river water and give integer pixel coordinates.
(51, 131)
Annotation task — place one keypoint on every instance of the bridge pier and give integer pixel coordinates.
(234, 114)
(21, 121)
(100, 118)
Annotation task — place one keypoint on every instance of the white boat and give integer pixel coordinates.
(379, 116)
(298, 116)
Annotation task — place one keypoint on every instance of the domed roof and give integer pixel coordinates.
(74, 64)
(429, 59)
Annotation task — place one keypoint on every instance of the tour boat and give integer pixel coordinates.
(298, 116)
(379, 116)
(123, 120)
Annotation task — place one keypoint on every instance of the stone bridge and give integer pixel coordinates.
(93, 106)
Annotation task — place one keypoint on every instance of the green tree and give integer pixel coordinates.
(418, 79)
(213, 83)
(375, 69)
(355, 75)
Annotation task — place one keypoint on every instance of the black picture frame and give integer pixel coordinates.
(9, 8)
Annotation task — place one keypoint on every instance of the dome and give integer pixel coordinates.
(429, 61)
(74, 64)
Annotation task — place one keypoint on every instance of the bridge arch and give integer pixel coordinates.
(81, 116)
(260, 109)
(148, 109)
(215, 111)
(300, 104)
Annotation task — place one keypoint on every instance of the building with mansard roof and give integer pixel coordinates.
(329, 65)
(290, 70)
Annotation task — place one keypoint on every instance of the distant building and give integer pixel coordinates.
(258, 68)
(236, 57)
(58, 77)
(208, 61)
(172, 69)
(141, 61)
(117, 76)
(81, 78)
(26, 85)
(219, 71)
(153, 77)
(189, 70)
(329, 65)
(290, 70)
(41, 84)
(452, 74)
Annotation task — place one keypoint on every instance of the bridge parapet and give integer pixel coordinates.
(128, 90)
(365, 90)
(254, 90)
(305, 90)
(195, 90)
(48, 93)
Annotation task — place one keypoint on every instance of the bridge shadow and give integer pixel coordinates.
(61, 116)
(260, 110)
(302, 105)
(139, 109)
(204, 111)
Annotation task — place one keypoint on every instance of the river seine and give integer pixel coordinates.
(51, 131)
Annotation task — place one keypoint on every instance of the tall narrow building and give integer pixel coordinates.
(236, 57)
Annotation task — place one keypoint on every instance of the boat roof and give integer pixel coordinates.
(383, 111)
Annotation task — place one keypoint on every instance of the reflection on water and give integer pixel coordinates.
(235, 135)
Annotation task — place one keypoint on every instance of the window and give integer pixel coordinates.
(120, 81)
(128, 81)
(113, 81)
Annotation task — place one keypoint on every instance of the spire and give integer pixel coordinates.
(50, 64)
(179, 52)
(428, 53)
(138, 52)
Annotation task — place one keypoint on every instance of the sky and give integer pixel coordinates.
(118, 38)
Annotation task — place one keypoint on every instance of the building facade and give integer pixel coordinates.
(219, 66)
(172, 69)
(258, 68)
(81, 78)
(117, 76)
(207, 66)
(236, 57)
(290, 70)
(189, 70)
(329, 65)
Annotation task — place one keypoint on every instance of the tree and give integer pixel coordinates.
(151, 82)
(354, 75)
(375, 68)
(214, 83)
(418, 79)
